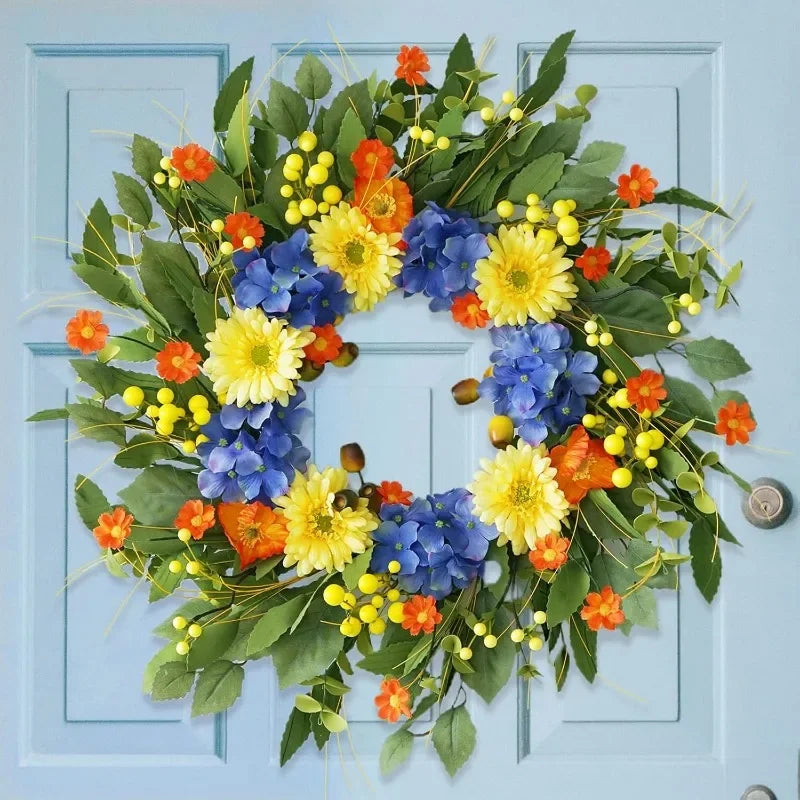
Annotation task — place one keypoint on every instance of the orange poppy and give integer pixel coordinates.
(195, 517)
(86, 331)
(637, 186)
(325, 347)
(646, 391)
(420, 614)
(372, 159)
(192, 162)
(550, 552)
(582, 464)
(253, 529)
(177, 362)
(240, 226)
(602, 610)
(393, 700)
(114, 528)
(392, 492)
(412, 62)
(593, 262)
(735, 423)
(467, 311)
(385, 203)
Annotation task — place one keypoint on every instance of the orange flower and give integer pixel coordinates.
(735, 423)
(325, 347)
(646, 391)
(393, 492)
(192, 162)
(177, 362)
(412, 61)
(602, 610)
(637, 186)
(550, 552)
(86, 331)
(114, 528)
(594, 263)
(253, 529)
(240, 226)
(393, 700)
(420, 614)
(582, 464)
(372, 159)
(195, 517)
(385, 203)
(467, 311)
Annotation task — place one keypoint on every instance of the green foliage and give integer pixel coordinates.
(567, 592)
(235, 86)
(172, 681)
(715, 359)
(582, 185)
(682, 197)
(350, 134)
(99, 242)
(356, 97)
(287, 111)
(706, 559)
(146, 155)
(237, 142)
(601, 158)
(158, 492)
(297, 730)
(90, 501)
(48, 414)
(143, 450)
(453, 738)
(492, 668)
(133, 199)
(312, 78)
(583, 642)
(273, 625)
(557, 137)
(395, 751)
(539, 176)
(217, 688)
(549, 76)
(216, 639)
(98, 423)
(356, 568)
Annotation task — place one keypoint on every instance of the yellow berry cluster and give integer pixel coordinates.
(692, 307)
(605, 338)
(367, 610)
(645, 441)
(193, 631)
(532, 632)
(168, 176)
(166, 414)
(566, 226)
(226, 248)
(515, 114)
(427, 136)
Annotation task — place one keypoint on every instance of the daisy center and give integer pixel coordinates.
(382, 205)
(394, 701)
(324, 522)
(634, 185)
(177, 361)
(354, 252)
(116, 532)
(422, 617)
(87, 332)
(549, 555)
(261, 355)
(190, 164)
(605, 609)
(733, 424)
(644, 391)
(320, 343)
(519, 279)
(197, 521)
(523, 494)
(472, 309)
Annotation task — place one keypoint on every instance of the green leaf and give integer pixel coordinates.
(218, 687)
(231, 93)
(312, 78)
(561, 136)
(583, 186)
(453, 737)
(356, 97)
(350, 134)
(90, 501)
(460, 58)
(585, 93)
(601, 158)
(133, 199)
(493, 667)
(683, 197)
(99, 242)
(687, 402)
(98, 423)
(297, 729)
(706, 560)
(237, 142)
(610, 513)
(221, 192)
(287, 111)
(146, 155)
(206, 310)
(217, 637)
(139, 344)
(389, 660)
(156, 495)
(549, 76)
(715, 359)
(273, 625)
(159, 289)
(172, 681)
(265, 147)
(179, 266)
(561, 667)
(396, 750)
(583, 642)
(108, 283)
(334, 722)
(450, 125)
(307, 704)
(671, 464)
(539, 176)
(356, 568)
(567, 592)
(47, 414)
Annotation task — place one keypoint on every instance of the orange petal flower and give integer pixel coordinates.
(637, 186)
(582, 464)
(550, 552)
(735, 423)
(86, 331)
(392, 492)
(420, 614)
(177, 362)
(240, 226)
(325, 347)
(192, 162)
(385, 203)
(412, 62)
(253, 529)
(467, 311)
(602, 610)
(114, 528)
(372, 159)
(646, 391)
(195, 517)
(393, 700)
(593, 262)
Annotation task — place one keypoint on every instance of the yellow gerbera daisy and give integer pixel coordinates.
(518, 494)
(344, 241)
(524, 276)
(321, 536)
(254, 358)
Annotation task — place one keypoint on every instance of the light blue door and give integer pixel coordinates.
(704, 708)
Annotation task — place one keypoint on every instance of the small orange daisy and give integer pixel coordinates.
(325, 347)
(177, 362)
(412, 62)
(467, 311)
(195, 517)
(240, 226)
(550, 552)
(420, 614)
(253, 529)
(372, 159)
(602, 610)
(646, 391)
(114, 528)
(192, 162)
(593, 262)
(86, 331)
(392, 492)
(393, 700)
(385, 203)
(637, 186)
(735, 422)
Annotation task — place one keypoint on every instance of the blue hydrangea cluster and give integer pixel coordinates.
(538, 380)
(284, 281)
(443, 246)
(253, 452)
(438, 542)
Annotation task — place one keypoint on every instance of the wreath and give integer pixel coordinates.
(237, 283)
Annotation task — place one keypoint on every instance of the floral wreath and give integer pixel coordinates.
(312, 212)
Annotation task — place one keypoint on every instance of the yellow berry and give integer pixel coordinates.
(164, 428)
(567, 226)
(415, 132)
(290, 174)
(165, 395)
(534, 214)
(248, 243)
(368, 613)
(286, 190)
(517, 635)
(547, 235)
(348, 601)
(609, 377)
(175, 566)
(572, 204)
(377, 601)
(133, 396)
(152, 412)
(536, 643)
(532, 199)
(326, 159)
(377, 626)
(394, 567)
(333, 594)
(442, 143)
(294, 161)
(165, 163)
(656, 439)
(226, 248)
(323, 207)
(561, 208)
(539, 617)
(184, 534)
(694, 309)
(182, 648)
(592, 340)
(612, 402)
(174, 182)
(465, 653)
(571, 240)
(202, 417)
(427, 137)
(396, 612)
(606, 339)
(188, 446)
(621, 477)
(168, 412)
(317, 174)
(674, 327)
(641, 452)
(644, 439)
(217, 225)
(479, 629)
(368, 583)
(193, 567)
(685, 300)
(651, 462)
(516, 114)
(487, 113)
(195, 631)
(179, 623)
(508, 97)
(293, 216)
(293, 204)
(621, 430)
(351, 627)
(590, 326)
(614, 444)
(197, 401)
(505, 209)
(332, 194)
(490, 641)
(159, 178)
(393, 595)
(308, 207)
(307, 141)
(600, 420)
(589, 420)
(622, 398)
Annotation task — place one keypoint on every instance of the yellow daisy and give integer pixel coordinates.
(253, 358)
(524, 276)
(344, 241)
(518, 494)
(321, 536)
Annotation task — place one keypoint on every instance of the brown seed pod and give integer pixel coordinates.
(345, 498)
(310, 372)
(347, 356)
(368, 490)
(466, 391)
(352, 457)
